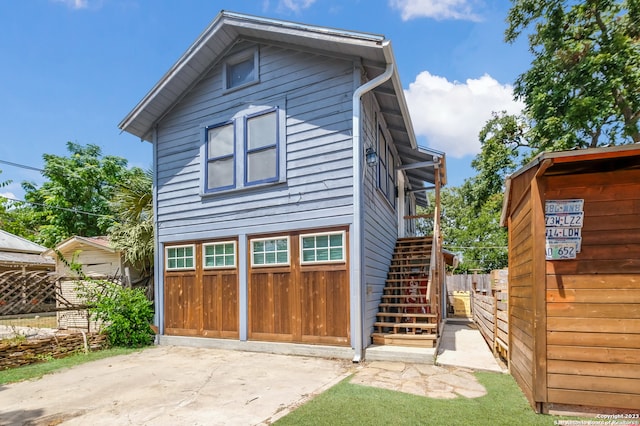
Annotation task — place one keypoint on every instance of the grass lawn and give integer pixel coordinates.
(35, 371)
(349, 404)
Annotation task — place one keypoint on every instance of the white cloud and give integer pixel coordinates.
(451, 114)
(295, 5)
(74, 4)
(436, 9)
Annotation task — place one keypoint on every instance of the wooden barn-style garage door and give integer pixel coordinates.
(201, 289)
(299, 287)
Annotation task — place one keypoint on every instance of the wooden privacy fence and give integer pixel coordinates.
(460, 287)
(490, 311)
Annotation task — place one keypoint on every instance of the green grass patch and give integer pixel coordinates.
(35, 371)
(350, 404)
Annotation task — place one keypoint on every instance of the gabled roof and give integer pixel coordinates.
(101, 243)
(374, 52)
(14, 243)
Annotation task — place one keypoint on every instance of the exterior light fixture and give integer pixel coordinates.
(371, 156)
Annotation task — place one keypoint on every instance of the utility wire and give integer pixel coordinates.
(22, 166)
(56, 207)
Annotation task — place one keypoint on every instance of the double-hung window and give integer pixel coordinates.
(261, 147)
(245, 151)
(220, 142)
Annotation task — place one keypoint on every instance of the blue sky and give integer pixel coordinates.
(72, 69)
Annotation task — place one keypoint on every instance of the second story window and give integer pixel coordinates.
(241, 70)
(246, 151)
(221, 156)
(261, 148)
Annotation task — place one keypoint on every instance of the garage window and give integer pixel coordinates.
(322, 247)
(180, 257)
(219, 255)
(270, 251)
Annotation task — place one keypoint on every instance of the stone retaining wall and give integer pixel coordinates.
(15, 353)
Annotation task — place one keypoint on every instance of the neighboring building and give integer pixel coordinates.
(574, 279)
(17, 253)
(271, 225)
(98, 261)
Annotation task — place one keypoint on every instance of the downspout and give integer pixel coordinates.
(158, 255)
(358, 213)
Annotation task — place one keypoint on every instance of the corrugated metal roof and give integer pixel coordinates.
(13, 243)
(374, 52)
(24, 259)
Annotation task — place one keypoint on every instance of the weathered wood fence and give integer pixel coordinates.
(490, 311)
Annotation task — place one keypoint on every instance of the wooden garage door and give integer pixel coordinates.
(291, 300)
(201, 289)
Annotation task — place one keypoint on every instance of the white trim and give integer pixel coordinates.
(166, 256)
(316, 234)
(217, 243)
(266, 265)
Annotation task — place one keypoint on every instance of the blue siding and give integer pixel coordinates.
(318, 190)
(380, 223)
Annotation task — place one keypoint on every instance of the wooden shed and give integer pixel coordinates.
(574, 279)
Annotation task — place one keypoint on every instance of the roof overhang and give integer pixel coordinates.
(422, 166)
(373, 52)
(577, 161)
(77, 241)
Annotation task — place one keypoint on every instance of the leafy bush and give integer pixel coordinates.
(125, 313)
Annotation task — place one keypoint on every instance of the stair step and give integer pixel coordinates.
(404, 305)
(403, 289)
(413, 325)
(410, 239)
(386, 297)
(410, 340)
(405, 315)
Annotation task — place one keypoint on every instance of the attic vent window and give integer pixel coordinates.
(241, 70)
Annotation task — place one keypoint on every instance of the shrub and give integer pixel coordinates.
(124, 313)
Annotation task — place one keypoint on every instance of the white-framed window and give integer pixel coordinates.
(386, 168)
(271, 251)
(241, 70)
(247, 150)
(322, 247)
(180, 257)
(219, 255)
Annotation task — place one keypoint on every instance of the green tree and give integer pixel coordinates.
(75, 198)
(132, 232)
(583, 87)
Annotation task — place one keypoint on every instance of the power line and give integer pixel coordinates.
(56, 207)
(22, 166)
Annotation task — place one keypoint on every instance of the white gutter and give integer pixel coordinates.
(357, 274)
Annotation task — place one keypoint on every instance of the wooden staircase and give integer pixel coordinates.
(405, 315)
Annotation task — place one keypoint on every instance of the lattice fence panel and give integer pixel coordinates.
(27, 292)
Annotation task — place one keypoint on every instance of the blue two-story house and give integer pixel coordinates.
(285, 170)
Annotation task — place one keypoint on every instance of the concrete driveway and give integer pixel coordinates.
(169, 385)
